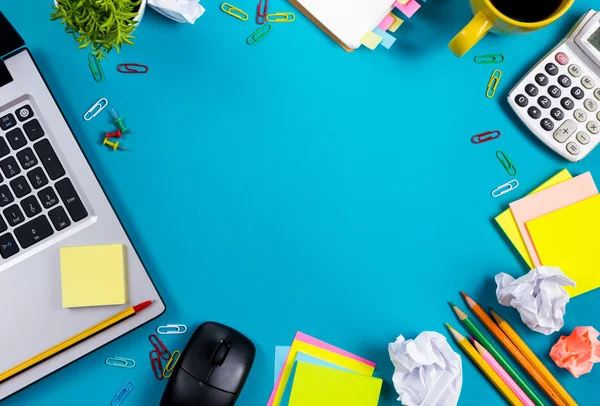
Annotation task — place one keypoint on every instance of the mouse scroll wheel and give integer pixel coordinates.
(221, 353)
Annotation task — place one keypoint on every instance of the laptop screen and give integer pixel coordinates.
(10, 40)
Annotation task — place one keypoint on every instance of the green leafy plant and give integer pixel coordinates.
(102, 25)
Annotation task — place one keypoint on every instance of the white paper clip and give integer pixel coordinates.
(505, 188)
(95, 109)
(120, 362)
(172, 329)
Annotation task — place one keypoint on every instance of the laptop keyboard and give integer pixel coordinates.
(37, 199)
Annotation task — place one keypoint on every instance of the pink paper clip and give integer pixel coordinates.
(261, 16)
(484, 137)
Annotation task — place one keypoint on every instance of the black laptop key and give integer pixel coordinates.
(27, 158)
(59, 218)
(37, 177)
(3, 226)
(4, 150)
(24, 113)
(48, 197)
(20, 187)
(33, 231)
(13, 215)
(30, 206)
(6, 197)
(7, 121)
(71, 199)
(33, 129)
(9, 166)
(49, 159)
(8, 246)
(16, 138)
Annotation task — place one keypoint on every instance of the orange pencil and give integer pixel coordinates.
(514, 351)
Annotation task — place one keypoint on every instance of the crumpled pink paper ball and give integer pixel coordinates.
(578, 352)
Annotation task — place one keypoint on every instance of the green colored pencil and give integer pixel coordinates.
(485, 341)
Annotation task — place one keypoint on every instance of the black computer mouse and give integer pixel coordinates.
(212, 369)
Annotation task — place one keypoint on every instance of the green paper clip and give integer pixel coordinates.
(493, 83)
(259, 34)
(506, 163)
(96, 68)
(489, 58)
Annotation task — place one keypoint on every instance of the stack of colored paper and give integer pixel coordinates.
(558, 224)
(312, 372)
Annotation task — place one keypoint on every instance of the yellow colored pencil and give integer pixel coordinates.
(485, 367)
(130, 311)
(533, 359)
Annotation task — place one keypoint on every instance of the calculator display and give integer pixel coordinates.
(594, 39)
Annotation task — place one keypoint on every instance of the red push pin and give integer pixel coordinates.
(113, 145)
(116, 134)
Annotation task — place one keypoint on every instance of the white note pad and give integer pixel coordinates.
(349, 20)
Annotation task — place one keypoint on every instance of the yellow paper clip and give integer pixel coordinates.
(259, 34)
(489, 59)
(506, 163)
(171, 364)
(281, 17)
(505, 188)
(234, 11)
(493, 83)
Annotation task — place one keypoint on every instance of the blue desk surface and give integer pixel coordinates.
(292, 186)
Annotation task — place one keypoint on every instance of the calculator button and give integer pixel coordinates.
(534, 112)
(593, 127)
(547, 124)
(583, 138)
(567, 103)
(554, 91)
(565, 130)
(598, 116)
(562, 58)
(574, 70)
(590, 105)
(16, 138)
(564, 81)
(544, 102)
(24, 113)
(531, 89)
(577, 93)
(541, 79)
(33, 129)
(557, 114)
(580, 115)
(573, 148)
(551, 69)
(587, 82)
(597, 94)
(521, 100)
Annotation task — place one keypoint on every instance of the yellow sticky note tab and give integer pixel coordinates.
(93, 275)
(568, 238)
(396, 24)
(403, 2)
(316, 385)
(371, 40)
(507, 222)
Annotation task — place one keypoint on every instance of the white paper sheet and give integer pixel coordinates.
(538, 296)
(428, 371)
(182, 11)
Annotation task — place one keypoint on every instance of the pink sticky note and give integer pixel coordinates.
(538, 204)
(322, 344)
(387, 21)
(409, 9)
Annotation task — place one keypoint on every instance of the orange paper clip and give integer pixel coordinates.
(484, 137)
(132, 68)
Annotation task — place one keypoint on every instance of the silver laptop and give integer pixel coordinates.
(49, 198)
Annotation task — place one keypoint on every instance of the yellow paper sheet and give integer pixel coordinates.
(396, 24)
(371, 40)
(403, 2)
(316, 385)
(507, 222)
(93, 275)
(568, 238)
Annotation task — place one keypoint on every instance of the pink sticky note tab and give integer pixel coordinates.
(321, 344)
(409, 9)
(386, 23)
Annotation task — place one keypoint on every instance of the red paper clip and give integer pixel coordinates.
(156, 365)
(132, 68)
(160, 347)
(261, 16)
(484, 137)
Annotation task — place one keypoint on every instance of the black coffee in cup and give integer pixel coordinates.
(527, 11)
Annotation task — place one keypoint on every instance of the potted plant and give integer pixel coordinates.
(101, 25)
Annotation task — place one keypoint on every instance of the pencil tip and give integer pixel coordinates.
(449, 326)
(451, 304)
(464, 295)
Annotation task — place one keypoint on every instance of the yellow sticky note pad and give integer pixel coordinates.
(316, 385)
(93, 275)
(568, 238)
(507, 222)
(396, 24)
(371, 40)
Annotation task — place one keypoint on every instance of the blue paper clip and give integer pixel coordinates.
(122, 393)
(172, 329)
(96, 68)
(120, 362)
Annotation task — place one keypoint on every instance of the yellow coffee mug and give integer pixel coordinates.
(488, 18)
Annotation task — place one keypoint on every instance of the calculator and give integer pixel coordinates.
(559, 98)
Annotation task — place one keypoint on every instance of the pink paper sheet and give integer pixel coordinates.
(409, 9)
(387, 21)
(577, 352)
(547, 201)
